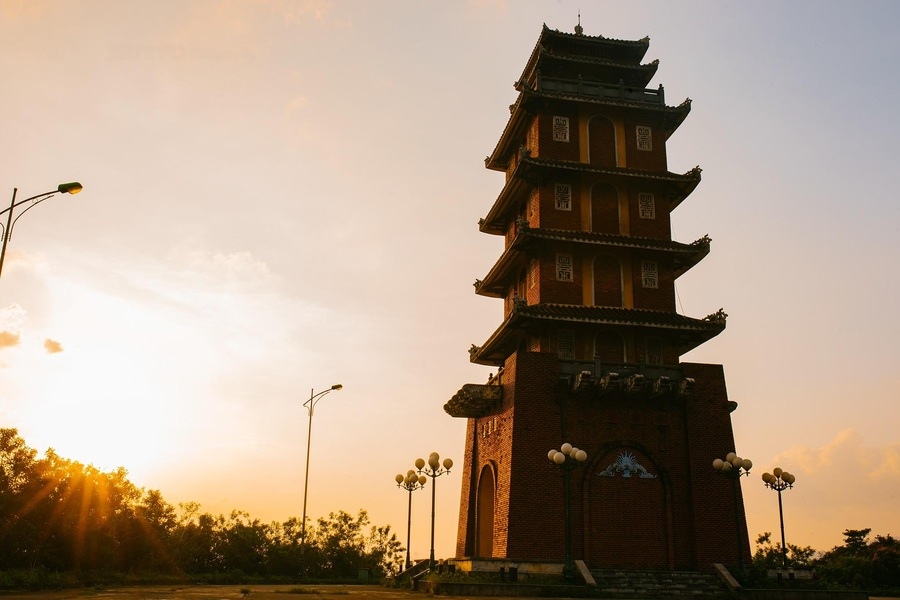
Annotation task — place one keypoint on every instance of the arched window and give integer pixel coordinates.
(602, 142)
(604, 209)
(607, 281)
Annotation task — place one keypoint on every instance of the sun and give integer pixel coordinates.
(99, 405)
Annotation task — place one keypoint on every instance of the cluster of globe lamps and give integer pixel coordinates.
(733, 464)
(434, 468)
(780, 480)
(411, 482)
(567, 458)
(567, 451)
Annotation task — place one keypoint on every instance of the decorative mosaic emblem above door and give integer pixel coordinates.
(626, 464)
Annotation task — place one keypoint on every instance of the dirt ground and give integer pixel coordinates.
(225, 592)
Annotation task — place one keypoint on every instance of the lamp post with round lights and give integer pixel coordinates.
(411, 482)
(780, 480)
(434, 470)
(63, 188)
(567, 458)
(732, 467)
(310, 408)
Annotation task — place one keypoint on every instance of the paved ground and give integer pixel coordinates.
(223, 592)
(256, 592)
(229, 592)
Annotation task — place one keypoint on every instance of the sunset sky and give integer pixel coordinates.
(284, 195)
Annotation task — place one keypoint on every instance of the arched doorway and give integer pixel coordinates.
(484, 537)
(627, 512)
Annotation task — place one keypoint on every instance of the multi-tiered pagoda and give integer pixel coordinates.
(589, 348)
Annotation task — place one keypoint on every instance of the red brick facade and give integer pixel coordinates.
(590, 344)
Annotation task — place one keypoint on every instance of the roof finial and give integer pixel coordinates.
(578, 29)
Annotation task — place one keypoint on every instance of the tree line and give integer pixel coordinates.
(860, 563)
(59, 515)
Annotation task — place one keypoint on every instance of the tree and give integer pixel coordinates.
(770, 555)
(860, 564)
(59, 515)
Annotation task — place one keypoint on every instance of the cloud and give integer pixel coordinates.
(52, 346)
(8, 339)
(195, 261)
(846, 483)
(846, 454)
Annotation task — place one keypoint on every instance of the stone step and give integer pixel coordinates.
(658, 584)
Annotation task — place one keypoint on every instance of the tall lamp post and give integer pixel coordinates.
(733, 467)
(411, 482)
(310, 408)
(568, 458)
(433, 469)
(63, 188)
(780, 480)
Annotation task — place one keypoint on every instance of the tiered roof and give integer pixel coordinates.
(691, 332)
(684, 256)
(531, 171)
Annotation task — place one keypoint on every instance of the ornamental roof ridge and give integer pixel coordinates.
(692, 174)
(644, 41)
(629, 316)
(653, 64)
(617, 239)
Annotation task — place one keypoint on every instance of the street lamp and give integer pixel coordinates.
(567, 458)
(411, 482)
(780, 480)
(310, 407)
(433, 469)
(733, 467)
(63, 188)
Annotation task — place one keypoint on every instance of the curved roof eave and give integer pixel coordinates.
(693, 331)
(530, 170)
(689, 254)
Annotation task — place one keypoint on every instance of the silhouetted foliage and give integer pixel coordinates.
(58, 516)
(857, 564)
(770, 555)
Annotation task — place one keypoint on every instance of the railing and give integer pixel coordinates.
(604, 91)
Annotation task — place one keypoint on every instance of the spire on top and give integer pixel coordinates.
(578, 28)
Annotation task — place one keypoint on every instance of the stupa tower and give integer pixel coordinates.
(589, 347)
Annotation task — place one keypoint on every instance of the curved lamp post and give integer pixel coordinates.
(63, 188)
(780, 480)
(310, 407)
(567, 458)
(411, 482)
(433, 469)
(733, 467)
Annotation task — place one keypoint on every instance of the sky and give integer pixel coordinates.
(280, 196)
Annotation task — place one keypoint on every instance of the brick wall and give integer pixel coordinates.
(558, 150)
(653, 160)
(657, 228)
(680, 518)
